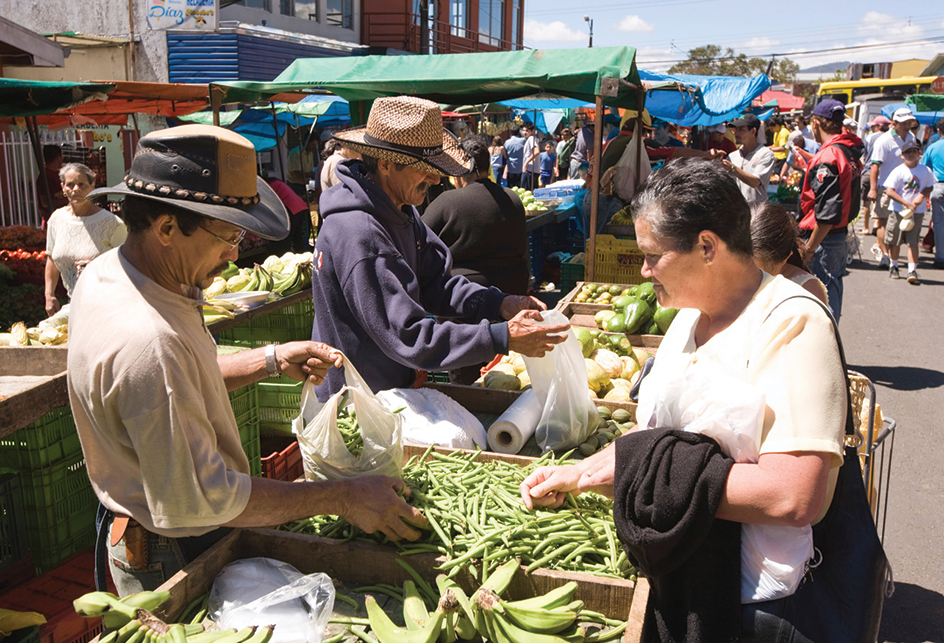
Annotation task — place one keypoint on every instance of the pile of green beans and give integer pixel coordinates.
(476, 517)
(350, 431)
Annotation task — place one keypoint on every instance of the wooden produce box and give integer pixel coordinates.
(581, 314)
(32, 383)
(487, 404)
(353, 564)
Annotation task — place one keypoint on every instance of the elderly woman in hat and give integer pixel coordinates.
(682, 500)
(149, 393)
(381, 275)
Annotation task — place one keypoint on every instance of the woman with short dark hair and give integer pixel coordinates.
(744, 335)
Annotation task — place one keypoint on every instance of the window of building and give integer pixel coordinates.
(515, 23)
(306, 10)
(287, 7)
(459, 17)
(255, 4)
(491, 21)
(340, 13)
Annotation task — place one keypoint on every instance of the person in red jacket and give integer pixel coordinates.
(830, 190)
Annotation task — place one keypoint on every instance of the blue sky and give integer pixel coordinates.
(663, 31)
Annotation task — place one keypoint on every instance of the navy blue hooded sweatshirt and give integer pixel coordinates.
(378, 274)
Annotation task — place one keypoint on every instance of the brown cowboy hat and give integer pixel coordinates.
(409, 130)
(207, 170)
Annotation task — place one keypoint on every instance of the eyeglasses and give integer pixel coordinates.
(231, 244)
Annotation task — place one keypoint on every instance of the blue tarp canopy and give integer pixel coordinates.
(701, 100)
(256, 123)
(924, 118)
(711, 100)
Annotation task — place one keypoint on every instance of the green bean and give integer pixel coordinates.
(346, 599)
(477, 519)
(360, 633)
(337, 638)
(348, 620)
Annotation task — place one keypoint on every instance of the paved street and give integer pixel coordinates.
(892, 332)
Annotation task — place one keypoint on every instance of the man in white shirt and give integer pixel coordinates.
(886, 156)
(147, 390)
(752, 163)
(532, 164)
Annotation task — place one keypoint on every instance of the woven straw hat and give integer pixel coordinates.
(208, 170)
(409, 130)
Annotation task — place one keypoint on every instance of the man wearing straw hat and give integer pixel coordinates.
(148, 392)
(380, 273)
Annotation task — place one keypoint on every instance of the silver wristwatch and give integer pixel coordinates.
(272, 364)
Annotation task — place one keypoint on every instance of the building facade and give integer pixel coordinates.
(443, 26)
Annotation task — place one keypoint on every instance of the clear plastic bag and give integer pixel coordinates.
(263, 591)
(559, 380)
(324, 454)
(624, 181)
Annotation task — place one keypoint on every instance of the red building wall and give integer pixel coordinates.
(392, 23)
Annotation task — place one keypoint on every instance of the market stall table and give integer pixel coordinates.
(32, 383)
(259, 311)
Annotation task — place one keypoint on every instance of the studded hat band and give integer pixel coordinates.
(137, 185)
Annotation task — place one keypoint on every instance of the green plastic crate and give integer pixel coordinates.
(571, 273)
(59, 506)
(13, 540)
(246, 409)
(290, 324)
(279, 404)
(48, 440)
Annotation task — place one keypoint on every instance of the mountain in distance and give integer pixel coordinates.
(826, 68)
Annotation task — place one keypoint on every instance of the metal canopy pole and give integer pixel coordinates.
(590, 260)
(215, 100)
(33, 131)
(637, 134)
(275, 124)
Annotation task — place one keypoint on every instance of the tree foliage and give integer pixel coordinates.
(710, 60)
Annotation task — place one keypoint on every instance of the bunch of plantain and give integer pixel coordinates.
(128, 620)
(551, 618)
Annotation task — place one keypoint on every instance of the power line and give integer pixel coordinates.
(797, 54)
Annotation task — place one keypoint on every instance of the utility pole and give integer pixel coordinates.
(590, 22)
(424, 26)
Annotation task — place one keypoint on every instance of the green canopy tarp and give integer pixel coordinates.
(926, 102)
(35, 97)
(457, 78)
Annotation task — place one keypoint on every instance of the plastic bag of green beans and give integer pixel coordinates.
(350, 435)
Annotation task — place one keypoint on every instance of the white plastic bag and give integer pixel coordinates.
(431, 417)
(263, 591)
(624, 180)
(559, 380)
(731, 412)
(324, 455)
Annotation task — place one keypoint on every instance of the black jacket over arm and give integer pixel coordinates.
(667, 487)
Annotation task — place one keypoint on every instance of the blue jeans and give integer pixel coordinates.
(937, 220)
(828, 264)
(166, 556)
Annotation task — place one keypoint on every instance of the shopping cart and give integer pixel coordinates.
(876, 449)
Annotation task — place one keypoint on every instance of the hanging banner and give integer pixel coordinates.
(191, 15)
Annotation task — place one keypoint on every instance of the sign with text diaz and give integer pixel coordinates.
(192, 15)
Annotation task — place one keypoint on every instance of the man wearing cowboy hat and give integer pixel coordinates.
(380, 273)
(149, 393)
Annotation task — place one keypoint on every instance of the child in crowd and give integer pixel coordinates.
(908, 188)
(548, 161)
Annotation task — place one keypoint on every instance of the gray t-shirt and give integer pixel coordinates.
(758, 162)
